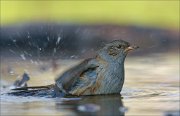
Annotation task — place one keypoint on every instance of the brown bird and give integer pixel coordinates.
(103, 74)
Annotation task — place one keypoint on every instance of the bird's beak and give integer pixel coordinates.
(130, 48)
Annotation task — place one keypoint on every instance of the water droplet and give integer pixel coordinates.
(31, 61)
(73, 56)
(30, 55)
(48, 38)
(23, 57)
(58, 40)
(35, 62)
(54, 50)
(11, 51)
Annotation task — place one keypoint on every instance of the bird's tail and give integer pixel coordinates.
(39, 91)
(34, 87)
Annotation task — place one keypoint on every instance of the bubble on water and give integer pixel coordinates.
(89, 108)
(40, 49)
(23, 56)
(58, 40)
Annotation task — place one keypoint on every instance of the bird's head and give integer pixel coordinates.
(117, 49)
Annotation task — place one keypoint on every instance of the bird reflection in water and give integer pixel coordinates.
(100, 105)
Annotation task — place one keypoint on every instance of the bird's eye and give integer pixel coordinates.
(119, 46)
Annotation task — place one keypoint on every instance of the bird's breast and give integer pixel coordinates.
(110, 79)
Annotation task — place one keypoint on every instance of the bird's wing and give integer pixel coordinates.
(34, 87)
(40, 91)
(77, 75)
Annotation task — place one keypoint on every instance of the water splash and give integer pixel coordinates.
(23, 56)
(14, 40)
(58, 40)
(48, 38)
(54, 51)
(12, 51)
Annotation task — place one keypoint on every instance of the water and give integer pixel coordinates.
(151, 88)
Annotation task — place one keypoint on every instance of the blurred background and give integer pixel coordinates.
(52, 27)
(46, 37)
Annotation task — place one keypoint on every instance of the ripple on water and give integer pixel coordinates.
(5, 99)
(89, 108)
(148, 93)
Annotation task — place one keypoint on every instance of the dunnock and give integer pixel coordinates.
(103, 74)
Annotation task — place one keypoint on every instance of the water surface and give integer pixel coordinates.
(151, 88)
